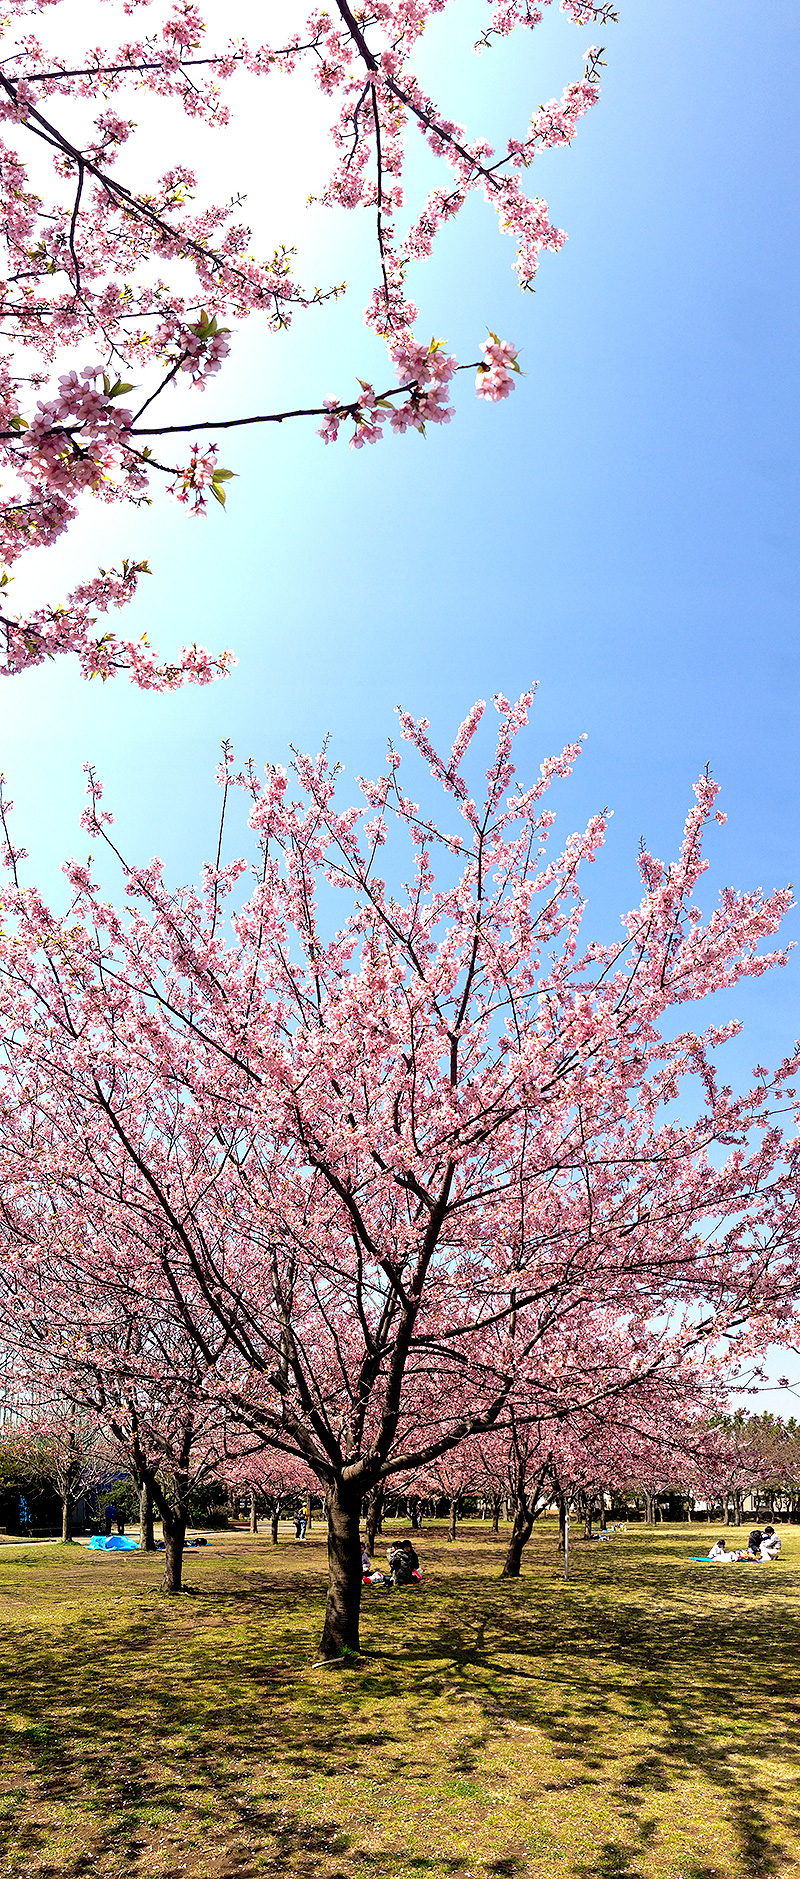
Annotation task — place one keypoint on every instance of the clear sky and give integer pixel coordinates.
(623, 528)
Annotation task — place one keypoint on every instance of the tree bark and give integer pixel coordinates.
(589, 1515)
(451, 1531)
(273, 1522)
(497, 1502)
(66, 1519)
(147, 1543)
(375, 1500)
(253, 1514)
(520, 1535)
(174, 1538)
(345, 1575)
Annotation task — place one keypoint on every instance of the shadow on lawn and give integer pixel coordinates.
(148, 1707)
(694, 1675)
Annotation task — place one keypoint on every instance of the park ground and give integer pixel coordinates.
(642, 1720)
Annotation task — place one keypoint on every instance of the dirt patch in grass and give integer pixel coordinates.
(641, 1722)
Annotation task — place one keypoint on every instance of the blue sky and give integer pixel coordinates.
(622, 529)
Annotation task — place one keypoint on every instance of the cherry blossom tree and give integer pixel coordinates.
(399, 1174)
(129, 285)
(90, 1325)
(52, 1442)
(737, 1456)
(251, 1467)
(451, 1476)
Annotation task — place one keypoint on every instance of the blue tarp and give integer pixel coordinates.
(116, 1544)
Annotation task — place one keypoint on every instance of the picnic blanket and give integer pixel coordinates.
(701, 1559)
(115, 1544)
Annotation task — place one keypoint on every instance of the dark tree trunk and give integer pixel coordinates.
(520, 1535)
(602, 1514)
(345, 1574)
(273, 1522)
(147, 1543)
(451, 1531)
(375, 1500)
(650, 1508)
(497, 1503)
(174, 1538)
(588, 1518)
(253, 1514)
(413, 1508)
(66, 1519)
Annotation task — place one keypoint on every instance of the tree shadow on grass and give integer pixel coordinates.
(149, 1706)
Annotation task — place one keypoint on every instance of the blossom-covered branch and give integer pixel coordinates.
(153, 285)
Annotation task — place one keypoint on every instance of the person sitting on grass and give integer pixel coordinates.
(403, 1563)
(754, 1543)
(366, 1562)
(718, 1551)
(770, 1545)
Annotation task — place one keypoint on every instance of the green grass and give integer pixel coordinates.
(640, 1721)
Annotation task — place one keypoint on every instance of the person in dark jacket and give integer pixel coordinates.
(754, 1542)
(403, 1563)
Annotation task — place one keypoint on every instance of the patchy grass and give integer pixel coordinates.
(640, 1721)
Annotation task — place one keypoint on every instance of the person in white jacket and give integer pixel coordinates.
(718, 1551)
(771, 1544)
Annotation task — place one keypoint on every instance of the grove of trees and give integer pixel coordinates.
(376, 1156)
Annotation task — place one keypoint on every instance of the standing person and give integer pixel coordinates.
(297, 1525)
(120, 1523)
(771, 1544)
(303, 1523)
(108, 1518)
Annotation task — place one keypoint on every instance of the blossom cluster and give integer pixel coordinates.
(424, 399)
(199, 478)
(74, 440)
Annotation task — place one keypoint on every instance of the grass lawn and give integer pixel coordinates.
(641, 1720)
